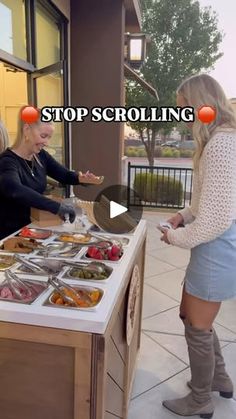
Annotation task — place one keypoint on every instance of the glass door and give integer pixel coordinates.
(48, 87)
(48, 90)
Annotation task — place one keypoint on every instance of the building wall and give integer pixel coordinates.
(97, 79)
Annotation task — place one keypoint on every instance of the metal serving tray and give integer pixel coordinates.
(59, 250)
(108, 236)
(6, 262)
(35, 233)
(50, 266)
(49, 302)
(88, 259)
(29, 300)
(68, 274)
(72, 237)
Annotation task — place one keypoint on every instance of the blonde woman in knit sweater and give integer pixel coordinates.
(210, 233)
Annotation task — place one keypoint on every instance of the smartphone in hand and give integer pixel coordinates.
(164, 225)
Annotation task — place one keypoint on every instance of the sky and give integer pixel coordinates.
(225, 67)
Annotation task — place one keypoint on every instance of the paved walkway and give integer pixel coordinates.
(163, 369)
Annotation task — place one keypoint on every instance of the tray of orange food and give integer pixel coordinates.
(86, 298)
(75, 238)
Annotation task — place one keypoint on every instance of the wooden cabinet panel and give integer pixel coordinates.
(36, 380)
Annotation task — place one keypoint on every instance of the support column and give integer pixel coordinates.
(97, 79)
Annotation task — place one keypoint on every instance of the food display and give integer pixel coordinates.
(75, 238)
(105, 252)
(88, 273)
(83, 297)
(20, 245)
(6, 262)
(35, 288)
(35, 233)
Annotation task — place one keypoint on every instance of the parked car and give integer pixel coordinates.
(174, 144)
(187, 145)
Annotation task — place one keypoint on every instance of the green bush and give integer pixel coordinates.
(130, 151)
(163, 190)
(186, 153)
(141, 152)
(135, 152)
(170, 152)
(175, 153)
(167, 152)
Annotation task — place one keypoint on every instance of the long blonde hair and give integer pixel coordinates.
(200, 90)
(4, 138)
(20, 130)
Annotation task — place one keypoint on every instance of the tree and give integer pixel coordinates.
(184, 131)
(184, 41)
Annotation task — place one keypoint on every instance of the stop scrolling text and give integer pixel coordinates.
(117, 114)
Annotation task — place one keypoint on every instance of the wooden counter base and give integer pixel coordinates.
(50, 373)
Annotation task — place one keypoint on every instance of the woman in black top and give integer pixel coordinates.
(23, 177)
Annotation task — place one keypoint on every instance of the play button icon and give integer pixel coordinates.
(116, 209)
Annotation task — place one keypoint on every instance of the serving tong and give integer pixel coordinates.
(98, 243)
(33, 266)
(105, 238)
(11, 278)
(95, 267)
(57, 283)
(48, 250)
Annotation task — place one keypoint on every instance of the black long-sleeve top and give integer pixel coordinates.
(20, 190)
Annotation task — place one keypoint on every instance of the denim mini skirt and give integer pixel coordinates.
(211, 272)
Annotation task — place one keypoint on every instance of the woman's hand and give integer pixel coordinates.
(176, 220)
(66, 210)
(164, 237)
(89, 177)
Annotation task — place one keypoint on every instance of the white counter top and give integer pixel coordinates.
(74, 319)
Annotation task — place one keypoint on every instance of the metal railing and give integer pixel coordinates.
(159, 187)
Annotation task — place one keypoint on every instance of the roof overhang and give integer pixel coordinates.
(133, 75)
(133, 16)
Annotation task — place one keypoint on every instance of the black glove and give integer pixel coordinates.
(65, 209)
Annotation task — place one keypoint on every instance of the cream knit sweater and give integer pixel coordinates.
(213, 206)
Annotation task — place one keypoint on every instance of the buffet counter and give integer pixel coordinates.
(74, 363)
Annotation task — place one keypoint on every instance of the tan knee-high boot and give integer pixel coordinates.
(221, 381)
(202, 363)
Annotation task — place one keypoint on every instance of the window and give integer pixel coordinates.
(47, 38)
(33, 64)
(52, 83)
(13, 27)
